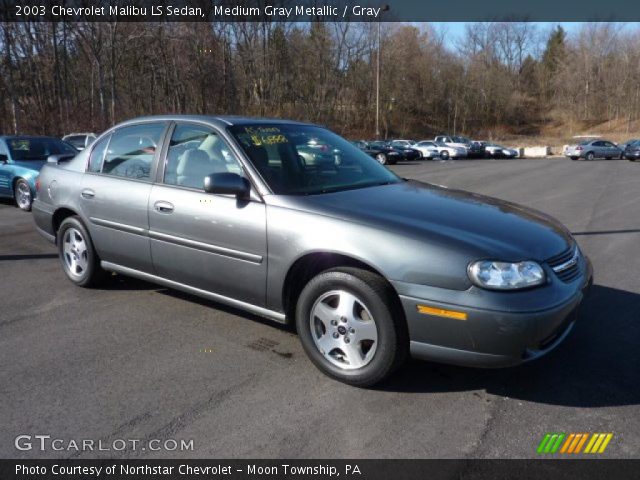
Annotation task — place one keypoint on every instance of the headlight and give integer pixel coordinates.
(506, 276)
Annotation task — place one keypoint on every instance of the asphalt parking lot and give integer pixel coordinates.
(136, 361)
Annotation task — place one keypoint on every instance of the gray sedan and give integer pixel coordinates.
(370, 267)
(590, 149)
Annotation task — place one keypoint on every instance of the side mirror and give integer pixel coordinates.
(4, 158)
(59, 158)
(227, 183)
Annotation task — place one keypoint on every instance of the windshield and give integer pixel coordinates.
(77, 141)
(306, 160)
(37, 148)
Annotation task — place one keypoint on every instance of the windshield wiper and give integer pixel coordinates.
(353, 187)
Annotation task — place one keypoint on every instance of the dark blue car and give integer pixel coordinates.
(21, 158)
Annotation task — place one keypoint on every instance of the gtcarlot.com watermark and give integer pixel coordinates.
(47, 443)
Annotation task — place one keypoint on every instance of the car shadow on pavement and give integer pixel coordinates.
(34, 256)
(121, 282)
(597, 366)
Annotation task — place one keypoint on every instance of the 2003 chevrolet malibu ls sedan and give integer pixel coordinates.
(292, 222)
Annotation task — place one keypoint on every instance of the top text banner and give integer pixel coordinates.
(316, 10)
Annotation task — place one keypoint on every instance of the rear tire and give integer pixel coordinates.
(589, 156)
(444, 155)
(574, 158)
(381, 158)
(351, 326)
(77, 254)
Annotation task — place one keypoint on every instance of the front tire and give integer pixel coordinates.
(22, 195)
(381, 158)
(444, 155)
(77, 254)
(351, 326)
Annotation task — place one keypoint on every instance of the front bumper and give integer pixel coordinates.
(521, 327)
(632, 155)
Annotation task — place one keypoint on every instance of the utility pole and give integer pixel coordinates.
(384, 9)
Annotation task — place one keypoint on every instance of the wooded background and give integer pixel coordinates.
(498, 79)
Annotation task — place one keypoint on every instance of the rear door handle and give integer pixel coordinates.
(88, 193)
(163, 207)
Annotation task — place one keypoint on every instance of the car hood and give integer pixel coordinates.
(480, 225)
(35, 165)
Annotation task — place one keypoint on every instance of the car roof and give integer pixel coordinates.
(217, 120)
(25, 137)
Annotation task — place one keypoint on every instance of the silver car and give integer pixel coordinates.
(369, 266)
(80, 140)
(590, 149)
(432, 149)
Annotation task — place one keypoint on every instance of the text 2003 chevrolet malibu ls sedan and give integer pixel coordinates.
(370, 267)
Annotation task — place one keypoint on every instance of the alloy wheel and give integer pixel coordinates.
(75, 252)
(343, 329)
(23, 195)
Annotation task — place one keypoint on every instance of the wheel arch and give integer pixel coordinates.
(307, 266)
(17, 178)
(59, 216)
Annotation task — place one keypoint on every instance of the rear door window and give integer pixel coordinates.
(132, 150)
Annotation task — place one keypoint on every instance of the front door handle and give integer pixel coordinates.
(88, 193)
(163, 207)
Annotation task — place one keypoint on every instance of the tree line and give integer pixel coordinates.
(496, 79)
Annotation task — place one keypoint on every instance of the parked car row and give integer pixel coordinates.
(385, 153)
(443, 147)
(590, 149)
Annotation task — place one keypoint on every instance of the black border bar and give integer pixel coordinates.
(583, 469)
(317, 10)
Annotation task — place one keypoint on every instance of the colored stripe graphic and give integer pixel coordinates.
(543, 443)
(573, 443)
(581, 443)
(598, 442)
(570, 438)
(555, 447)
(591, 442)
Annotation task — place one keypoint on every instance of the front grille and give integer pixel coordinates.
(566, 266)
